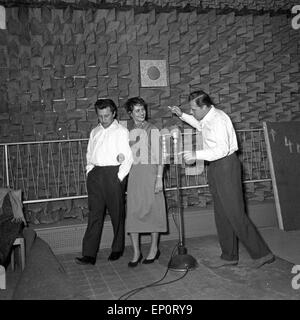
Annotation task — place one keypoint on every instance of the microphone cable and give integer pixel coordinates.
(156, 283)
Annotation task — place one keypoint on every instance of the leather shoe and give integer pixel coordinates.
(85, 260)
(222, 263)
(133, 264)
(147, 261)
(115, 255)
(269, 258)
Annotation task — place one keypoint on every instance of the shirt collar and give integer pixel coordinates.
(210, 114)
(113, 125)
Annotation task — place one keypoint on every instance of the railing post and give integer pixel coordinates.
(6, 164)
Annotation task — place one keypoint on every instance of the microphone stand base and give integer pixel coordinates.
(182, 262)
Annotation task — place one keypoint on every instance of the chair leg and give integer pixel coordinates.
(22, 253)
(20, 242)
(2, 278)
(12, 259)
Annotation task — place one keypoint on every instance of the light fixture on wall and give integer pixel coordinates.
(153, 73)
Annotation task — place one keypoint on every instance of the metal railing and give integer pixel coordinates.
(55, 170)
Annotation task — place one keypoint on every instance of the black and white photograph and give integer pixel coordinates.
(149, 153)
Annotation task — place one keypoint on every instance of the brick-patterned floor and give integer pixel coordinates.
(110, 280)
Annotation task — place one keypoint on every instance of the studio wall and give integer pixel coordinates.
(55, 61)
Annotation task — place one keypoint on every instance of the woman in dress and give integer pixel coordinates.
(146, 210)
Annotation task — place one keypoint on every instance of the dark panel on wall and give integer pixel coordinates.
(284, 154)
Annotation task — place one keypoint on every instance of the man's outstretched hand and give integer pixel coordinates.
(176, 110)
(189, 157)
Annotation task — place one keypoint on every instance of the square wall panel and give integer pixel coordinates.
(153, 73)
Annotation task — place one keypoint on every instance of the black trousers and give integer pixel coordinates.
(232, 222)
(105, 191)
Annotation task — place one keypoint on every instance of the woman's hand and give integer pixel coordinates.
(158, 185)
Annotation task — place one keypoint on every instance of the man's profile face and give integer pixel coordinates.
(198, 112)
(105, 117)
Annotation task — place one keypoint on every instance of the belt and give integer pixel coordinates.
(226, 157)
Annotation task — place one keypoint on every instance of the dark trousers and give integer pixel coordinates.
(104, 192)
(232, 222)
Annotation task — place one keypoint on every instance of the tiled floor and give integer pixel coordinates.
(111, 280)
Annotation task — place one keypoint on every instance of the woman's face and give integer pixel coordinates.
(138, 113)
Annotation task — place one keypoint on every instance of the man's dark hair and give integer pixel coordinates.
(201, 98)
(106, 103)
(130, 103)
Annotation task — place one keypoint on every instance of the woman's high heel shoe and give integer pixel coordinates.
(135, 263)
(147, 261)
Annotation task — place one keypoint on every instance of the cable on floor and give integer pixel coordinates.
(159, 284)
(156, 283)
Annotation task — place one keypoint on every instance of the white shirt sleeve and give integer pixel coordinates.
(125, 149)
(89, 165)
(191, 120)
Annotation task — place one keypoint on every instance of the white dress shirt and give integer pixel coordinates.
(106, 144)
(219, 138)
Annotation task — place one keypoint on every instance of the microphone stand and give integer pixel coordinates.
(181, 261)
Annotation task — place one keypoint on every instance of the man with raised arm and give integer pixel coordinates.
(224, 178)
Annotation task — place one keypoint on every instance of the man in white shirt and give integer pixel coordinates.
(224, 177)
(109, 159)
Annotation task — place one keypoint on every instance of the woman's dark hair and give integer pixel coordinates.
(201, 98)
(130, 103)
(106, 103)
